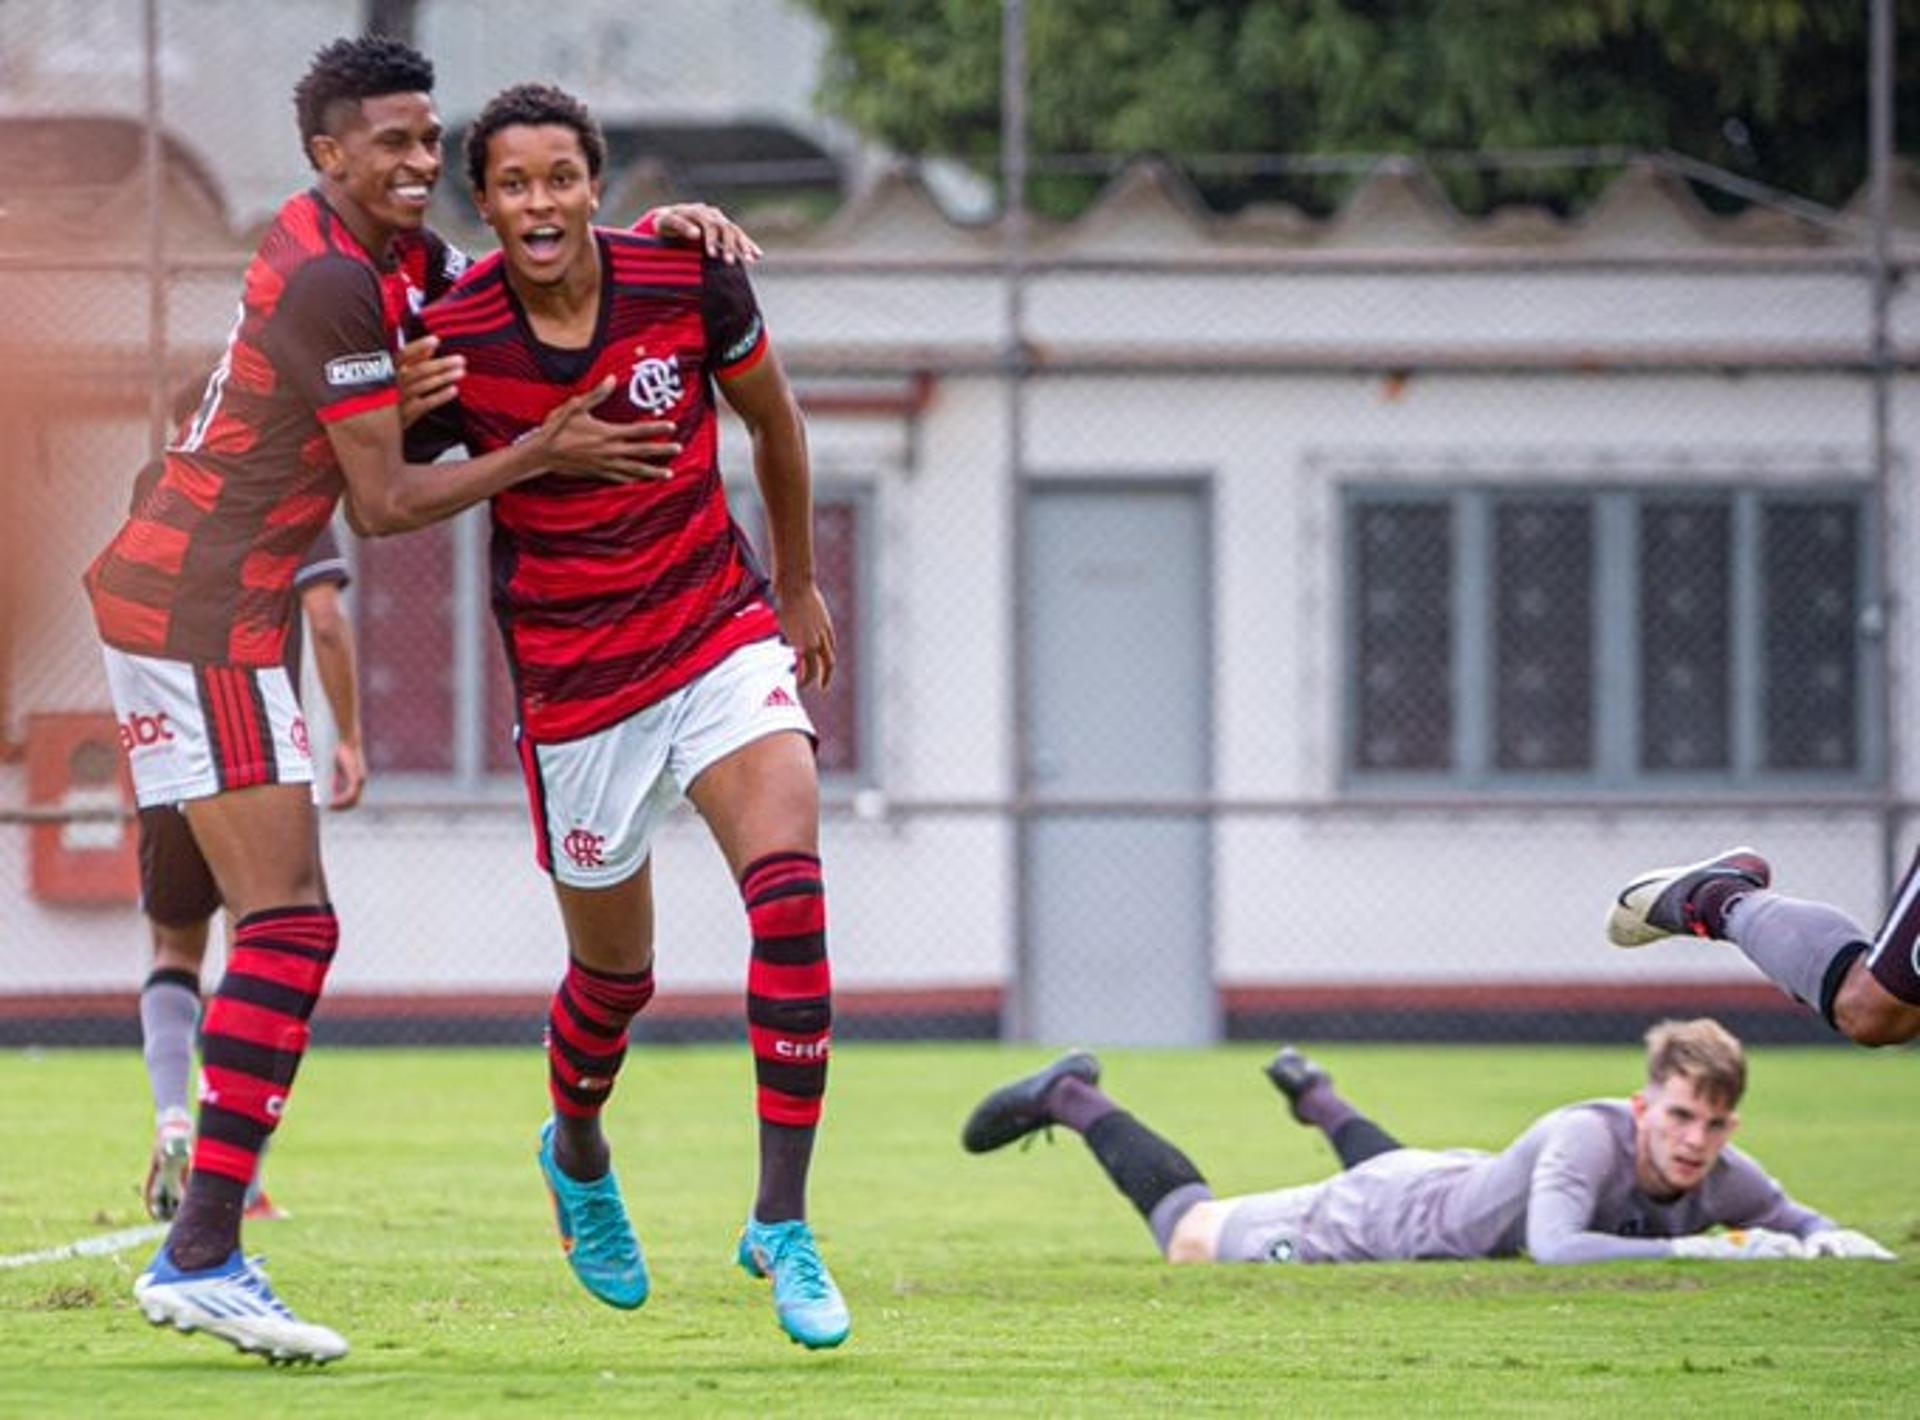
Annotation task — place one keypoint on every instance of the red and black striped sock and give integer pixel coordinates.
(789, 1021)
(586, 1044)
(253, 1036)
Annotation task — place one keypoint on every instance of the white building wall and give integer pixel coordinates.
(920, 888)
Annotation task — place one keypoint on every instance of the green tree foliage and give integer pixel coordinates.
(1771, 89)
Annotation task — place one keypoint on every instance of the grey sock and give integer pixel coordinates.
(1791, 940)
(169, 1011)
(1168, 1212)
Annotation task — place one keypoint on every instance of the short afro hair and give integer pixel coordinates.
(534, 105)
(349, 70)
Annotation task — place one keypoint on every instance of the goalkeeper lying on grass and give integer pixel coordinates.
(1607, 1180)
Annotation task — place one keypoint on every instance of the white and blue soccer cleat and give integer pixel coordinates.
(1659, 903)
(234, 1302)
(806, 1302)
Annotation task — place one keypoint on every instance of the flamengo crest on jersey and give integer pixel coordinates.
(202, 570)
(612, 596)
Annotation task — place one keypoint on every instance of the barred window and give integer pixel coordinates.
(1636, 638)
(1403, 634)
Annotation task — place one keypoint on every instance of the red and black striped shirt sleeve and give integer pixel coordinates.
(736, 331)
(328, 339)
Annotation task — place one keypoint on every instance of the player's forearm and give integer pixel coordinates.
(1796, 1218)
(338, 668)
(418, 495)
(1573, 1248)
(781, 469)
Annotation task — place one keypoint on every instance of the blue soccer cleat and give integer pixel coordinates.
(805, 1300)
(234, 1302)
(594, 1232)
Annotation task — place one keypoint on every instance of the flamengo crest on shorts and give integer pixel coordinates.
(191, 732)
(596, 801)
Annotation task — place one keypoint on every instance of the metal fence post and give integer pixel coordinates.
(159, 397)
(1880, 159)
(1019, 1007)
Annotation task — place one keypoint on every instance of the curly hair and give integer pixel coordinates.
(349, 70)
(534, 105)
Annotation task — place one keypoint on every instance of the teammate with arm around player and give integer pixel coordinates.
(192, 600)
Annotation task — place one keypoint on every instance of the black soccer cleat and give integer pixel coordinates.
(1659, 903)
(1016, 1110)
(1293, 1075)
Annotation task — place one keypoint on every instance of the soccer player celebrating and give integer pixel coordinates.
(1607, 1180)
(652, 658)
(1864, 985)
(192, 599)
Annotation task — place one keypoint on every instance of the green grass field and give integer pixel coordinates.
(1017, 1284)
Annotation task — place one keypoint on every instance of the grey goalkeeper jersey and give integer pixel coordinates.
(1564, 1191)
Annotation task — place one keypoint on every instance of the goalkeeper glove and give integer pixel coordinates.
(1740, 1245)
(1845, 1242)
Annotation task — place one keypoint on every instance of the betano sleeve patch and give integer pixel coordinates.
(367, 367)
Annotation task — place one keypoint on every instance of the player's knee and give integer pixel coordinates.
(1196, 1237)
(179, 946)
(1868, 1014)
(1181, 1248)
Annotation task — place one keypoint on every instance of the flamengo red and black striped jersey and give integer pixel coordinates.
(611, 596)
(203, 568)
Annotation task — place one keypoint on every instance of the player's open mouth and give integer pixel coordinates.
(543, 243)
(412, 194)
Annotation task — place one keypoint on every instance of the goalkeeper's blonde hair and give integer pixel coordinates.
(1703, 1050)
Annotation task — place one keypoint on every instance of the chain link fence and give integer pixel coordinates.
(1250, 626)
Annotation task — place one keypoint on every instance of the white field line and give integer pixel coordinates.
(100, 1246)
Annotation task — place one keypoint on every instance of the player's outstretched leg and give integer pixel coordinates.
(1865, 987)
(1159, 1180)
(234, 1302)
(1310, 1095)
(1672, 902)
(587, 1032)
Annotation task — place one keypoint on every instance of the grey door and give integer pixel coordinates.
(1119, 670)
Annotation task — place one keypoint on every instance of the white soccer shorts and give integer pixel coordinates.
(193, 731)
(598, 800)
